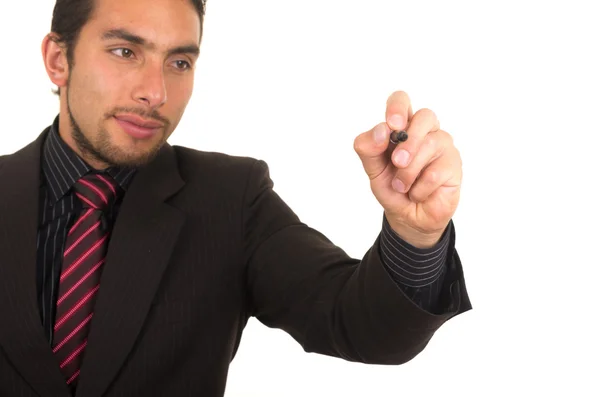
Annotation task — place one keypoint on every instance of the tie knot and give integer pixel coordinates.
(96, 191)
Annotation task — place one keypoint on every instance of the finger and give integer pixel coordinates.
(371, 147)
(433, 147)
(444, 172)
(422, 123)
(398, 111)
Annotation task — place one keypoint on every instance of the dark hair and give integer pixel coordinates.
(70, 16)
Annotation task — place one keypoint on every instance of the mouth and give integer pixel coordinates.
(138, 127)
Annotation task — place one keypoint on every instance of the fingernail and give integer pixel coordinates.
(401, 158)
(398, 185)
(380, 134)
(396, 121)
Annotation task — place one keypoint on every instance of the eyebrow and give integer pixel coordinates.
(123, 34)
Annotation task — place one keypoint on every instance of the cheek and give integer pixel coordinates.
(178, 94)
(179, 91)
(96, 83)
(107, 80)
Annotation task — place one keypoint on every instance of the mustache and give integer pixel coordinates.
(154, 115)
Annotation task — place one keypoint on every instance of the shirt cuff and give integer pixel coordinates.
(411, 266)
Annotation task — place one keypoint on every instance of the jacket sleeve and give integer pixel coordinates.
(332, 304)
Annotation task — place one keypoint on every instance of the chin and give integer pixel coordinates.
(133, 152)
(131, 159)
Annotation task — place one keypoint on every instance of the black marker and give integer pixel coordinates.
(398, 136)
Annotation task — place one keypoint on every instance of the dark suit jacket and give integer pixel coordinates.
(201, 243)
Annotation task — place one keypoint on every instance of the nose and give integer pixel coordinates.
(151, 90)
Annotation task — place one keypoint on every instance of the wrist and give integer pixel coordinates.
(416, 238)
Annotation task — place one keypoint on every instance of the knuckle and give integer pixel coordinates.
(358, 144)
(407, 176)
(453, 159)
(446, 136)
(430, 177)
(430, 141)
(457, 157)
(417, 195)
(426, 113)
(443, 140)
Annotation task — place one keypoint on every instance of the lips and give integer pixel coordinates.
(137, 127)
(139, 121)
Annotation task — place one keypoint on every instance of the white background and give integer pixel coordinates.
(515, 82)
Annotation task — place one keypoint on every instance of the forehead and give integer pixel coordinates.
(164, 22)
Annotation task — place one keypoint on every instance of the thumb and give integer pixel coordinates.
(371, 147)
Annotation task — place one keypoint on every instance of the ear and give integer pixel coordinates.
(55, 60)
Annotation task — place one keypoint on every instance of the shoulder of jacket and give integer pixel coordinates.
(194, 160)
(220, 171)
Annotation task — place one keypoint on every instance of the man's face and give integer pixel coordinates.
(131, 80)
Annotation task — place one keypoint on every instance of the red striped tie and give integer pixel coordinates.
(84, 254)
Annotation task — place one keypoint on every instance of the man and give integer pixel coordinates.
(129, 267)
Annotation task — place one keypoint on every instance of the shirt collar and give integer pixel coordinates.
(63, 167)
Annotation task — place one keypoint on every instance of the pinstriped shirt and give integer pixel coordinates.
(418, 272)
(61, 168)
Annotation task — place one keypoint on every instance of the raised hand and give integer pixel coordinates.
(417, 181)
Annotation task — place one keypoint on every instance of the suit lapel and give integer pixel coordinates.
(21, 334)
(143, 238)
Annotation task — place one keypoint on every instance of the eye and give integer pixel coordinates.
(182, 65)
(125, 52)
